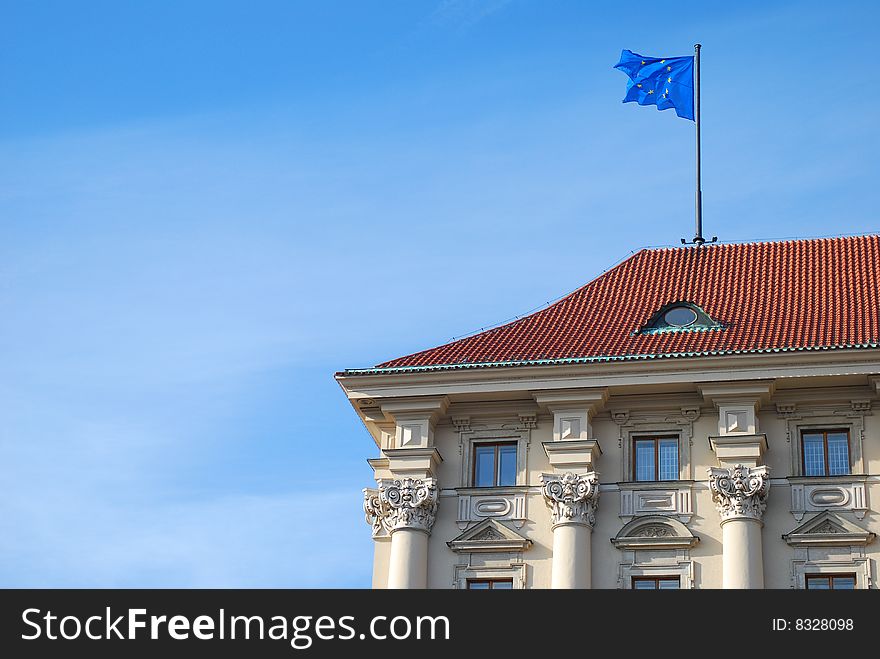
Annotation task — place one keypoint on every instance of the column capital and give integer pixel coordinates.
(739, 492)
(401, 503)
(573, 498)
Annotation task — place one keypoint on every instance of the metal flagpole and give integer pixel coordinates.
(698, 238)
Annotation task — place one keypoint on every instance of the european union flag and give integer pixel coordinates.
(666, 83)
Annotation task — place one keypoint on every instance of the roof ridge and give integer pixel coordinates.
(762, 241)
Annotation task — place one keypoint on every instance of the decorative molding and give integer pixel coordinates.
(495, 432)
(739, 492)
(818, 416)
(654, 533)
(829, 544)
(514, 569)
(528, 420)
(490, 536)
(785, 409)
(640, 498)
(461, 423)
(573, 498)
(672, 422)
(620, 417)
(476, 504)
(828, 529)
(655, 547)
(401, 503)
(821, 493)
(487, 534)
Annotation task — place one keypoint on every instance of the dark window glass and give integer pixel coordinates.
(668, 458)
(656, 583)
(825, 452)
(831, 581)
(838, 453)
(655, 459)
(507, 464)
(494, 464)
(680, 317)
(490, 584)
(484, 465)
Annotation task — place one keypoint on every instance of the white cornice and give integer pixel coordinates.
(681, 372)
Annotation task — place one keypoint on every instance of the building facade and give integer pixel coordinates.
(700, 417)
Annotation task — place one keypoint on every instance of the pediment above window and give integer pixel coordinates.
(490, 536)
(655, 532)
(828, 529)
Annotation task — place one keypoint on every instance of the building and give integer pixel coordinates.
(697, 417)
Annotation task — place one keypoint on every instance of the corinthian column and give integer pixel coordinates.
(740, 494)
(573, 499)
(406, 509)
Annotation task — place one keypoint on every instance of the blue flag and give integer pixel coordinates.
(666, 83)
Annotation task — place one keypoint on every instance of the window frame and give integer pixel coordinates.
(497, 459)
(829, 577)
(656, 579)
(656, 439)
(825, 432)
(491, 581)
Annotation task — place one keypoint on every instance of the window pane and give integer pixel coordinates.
(502, 585)
(484, 466)
(814, 454)
(478, 585)
(668, 584)
(644, 584)
(645, 460)
(838, 453)
(507, 464)
(668, 459)
(817, 583)
(843, 583)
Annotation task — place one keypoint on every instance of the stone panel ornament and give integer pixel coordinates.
(573, 498)
(740, 492)
(409, 503)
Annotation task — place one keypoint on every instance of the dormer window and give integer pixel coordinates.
(680, 316)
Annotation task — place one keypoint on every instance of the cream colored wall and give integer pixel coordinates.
(381, 554)
(605, 557)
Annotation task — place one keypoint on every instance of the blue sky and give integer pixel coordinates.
(208, 208)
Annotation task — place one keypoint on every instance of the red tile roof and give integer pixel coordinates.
(793, 295)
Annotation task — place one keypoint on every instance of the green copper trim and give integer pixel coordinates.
(376, 370)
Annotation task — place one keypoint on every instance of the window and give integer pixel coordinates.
(825, 452)
(655, 458)
(830, 581)
(655, 583)
(494, 464)
(490, 584)
(680, 316)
